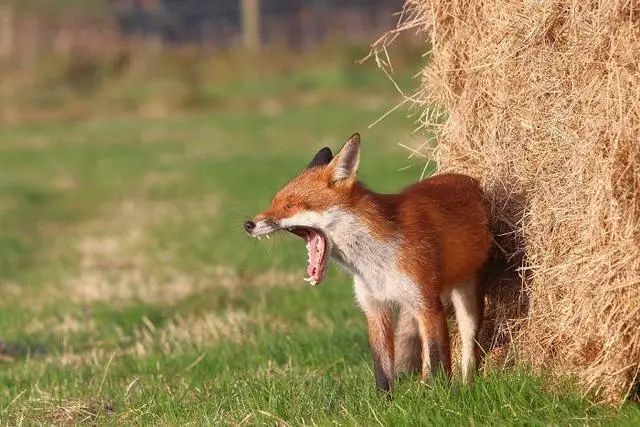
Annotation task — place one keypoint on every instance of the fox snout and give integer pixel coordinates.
(260, 226)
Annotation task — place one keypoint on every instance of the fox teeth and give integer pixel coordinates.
(258, 237)
(268, 237)
(310, 280)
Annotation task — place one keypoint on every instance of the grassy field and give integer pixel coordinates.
(131, 294)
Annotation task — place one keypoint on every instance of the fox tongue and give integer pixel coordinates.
(315, 251)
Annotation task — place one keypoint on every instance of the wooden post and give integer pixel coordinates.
(250, 10)
(6, 31)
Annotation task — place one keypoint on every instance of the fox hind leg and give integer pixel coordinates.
(408, 345)
(436, 351)
(468, 304)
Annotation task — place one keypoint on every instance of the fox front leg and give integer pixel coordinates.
(380, 324)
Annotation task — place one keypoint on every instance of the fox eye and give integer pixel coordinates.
(290, 205)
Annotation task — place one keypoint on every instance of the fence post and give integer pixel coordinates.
(250, 10)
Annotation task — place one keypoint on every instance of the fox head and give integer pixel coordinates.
(311, 205)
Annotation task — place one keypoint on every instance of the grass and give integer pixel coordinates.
(131, 294)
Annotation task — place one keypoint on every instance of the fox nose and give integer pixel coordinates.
(249, 226)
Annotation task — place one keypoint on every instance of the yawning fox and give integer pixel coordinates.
(413, 251)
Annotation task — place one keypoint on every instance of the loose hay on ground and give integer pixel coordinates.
(541, 101)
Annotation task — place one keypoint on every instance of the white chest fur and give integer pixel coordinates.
(371, 260)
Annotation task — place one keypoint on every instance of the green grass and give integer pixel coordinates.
(131, 294)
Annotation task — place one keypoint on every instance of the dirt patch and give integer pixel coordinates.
(181, 333)
(190, 331)
(114, 257)
(231, 279)
(48, 408)
(67, 324)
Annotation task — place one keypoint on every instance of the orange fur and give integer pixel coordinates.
(442, 222)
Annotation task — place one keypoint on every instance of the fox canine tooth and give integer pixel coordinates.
(310, 280)
(268, 237)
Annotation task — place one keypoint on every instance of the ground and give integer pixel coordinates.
(131, 294)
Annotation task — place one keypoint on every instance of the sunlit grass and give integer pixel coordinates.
(131, 294)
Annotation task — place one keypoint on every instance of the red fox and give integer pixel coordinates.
(413, 251)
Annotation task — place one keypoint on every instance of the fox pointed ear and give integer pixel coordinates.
(322, 157)
(345, 163)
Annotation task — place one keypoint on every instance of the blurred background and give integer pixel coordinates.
(76, 58)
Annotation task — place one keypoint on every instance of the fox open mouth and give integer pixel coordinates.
(317, 248)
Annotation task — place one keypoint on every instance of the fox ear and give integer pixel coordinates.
(322, 157)
(345, 163)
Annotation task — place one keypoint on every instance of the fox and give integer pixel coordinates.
(410, 254)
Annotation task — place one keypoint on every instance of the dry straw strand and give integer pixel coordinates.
(543, 106)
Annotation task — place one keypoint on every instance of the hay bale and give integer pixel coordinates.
(541, 101)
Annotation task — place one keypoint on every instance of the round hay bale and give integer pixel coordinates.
(540, 100)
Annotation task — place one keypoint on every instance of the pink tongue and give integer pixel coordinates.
(315, 247)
